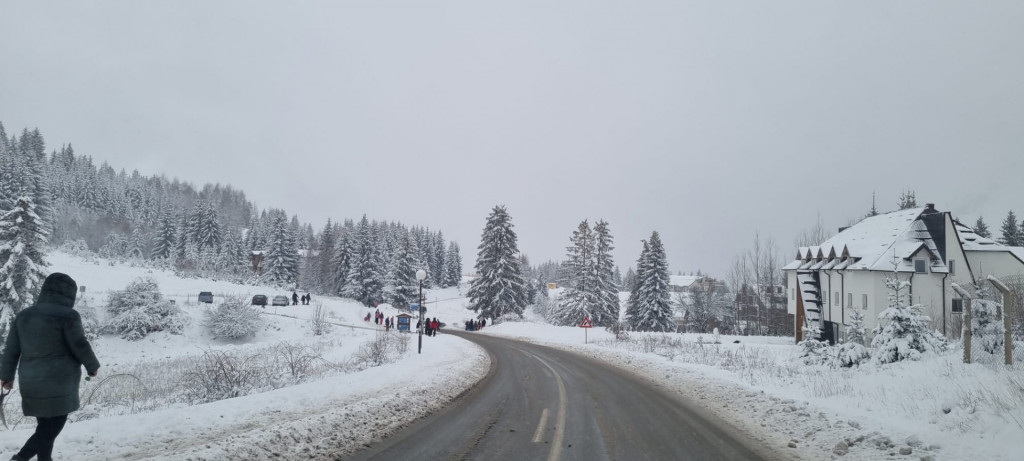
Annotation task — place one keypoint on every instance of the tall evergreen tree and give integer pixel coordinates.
(365, 280)
(452, 266)
(402, 287)
(343, 255)
(499, 289)
(282, 255)
(1011, 231)
(607, 284)
(651, 307)
(164, 243)
(22, 237)
(580, 298)
(326, 276)
(981, 228)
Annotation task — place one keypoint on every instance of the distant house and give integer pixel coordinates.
(924, 246)
(689, 283)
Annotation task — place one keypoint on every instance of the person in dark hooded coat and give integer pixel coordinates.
(47, 345)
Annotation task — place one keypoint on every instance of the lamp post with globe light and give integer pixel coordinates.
(420, 275)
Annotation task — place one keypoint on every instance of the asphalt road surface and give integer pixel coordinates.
(540, 403)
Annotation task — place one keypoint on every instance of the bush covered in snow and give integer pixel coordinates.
(90, 319)
(813, 351)
(232, 319)
(140, 309)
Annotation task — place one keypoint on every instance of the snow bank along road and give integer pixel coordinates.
(542, 403)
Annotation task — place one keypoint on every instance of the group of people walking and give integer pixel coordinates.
(474, 324)
(430, 326)
(306, 298)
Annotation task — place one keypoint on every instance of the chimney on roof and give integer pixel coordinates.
(929, 206)
(843, 228)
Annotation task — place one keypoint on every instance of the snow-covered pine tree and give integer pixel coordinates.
(22, 263)
(365, 277)
(986, 326)
(607, 277)
(452, 266)
(853, 351)
(629, 280)
(343, 255)
(981, 228)
(1011, 231)
(437, 255)
(579, 299)
(282, 261)
(498, 290)
(401, 288)
(653, 304)
(902, 332)
(326, 275)
(633, 302)
(164, 241)
(856, 333)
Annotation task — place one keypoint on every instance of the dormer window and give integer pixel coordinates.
(920, 266)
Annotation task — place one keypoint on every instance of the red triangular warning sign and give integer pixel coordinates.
(586, 323)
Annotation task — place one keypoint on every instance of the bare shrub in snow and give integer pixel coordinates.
(140, 309)
(233, 319)
(903, 329)
(219, 375)
(318, 322)
(385, 348)
(298, 360)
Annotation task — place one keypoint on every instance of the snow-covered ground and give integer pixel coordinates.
(935, 409)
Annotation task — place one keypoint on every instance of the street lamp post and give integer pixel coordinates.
(420, 275)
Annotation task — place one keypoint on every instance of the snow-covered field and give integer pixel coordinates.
(935, 409)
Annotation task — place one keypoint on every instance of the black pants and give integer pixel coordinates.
(41, 443)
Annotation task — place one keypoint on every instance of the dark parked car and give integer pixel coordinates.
(280, 301)
(205, 297)
(259, 300)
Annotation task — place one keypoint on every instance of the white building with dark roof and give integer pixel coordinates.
(922, 245)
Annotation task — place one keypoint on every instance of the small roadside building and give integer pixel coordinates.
(924, 246)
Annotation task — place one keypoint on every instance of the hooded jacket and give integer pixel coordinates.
(49, 342)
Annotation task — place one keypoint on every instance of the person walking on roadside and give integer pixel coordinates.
(47, 346)
(295, 299)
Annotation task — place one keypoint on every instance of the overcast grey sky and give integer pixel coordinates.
(706, 121)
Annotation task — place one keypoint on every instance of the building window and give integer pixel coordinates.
(952, 267)
(835, 299)
(849, 299)
(920, 266)
(958, 306)
(864, 302)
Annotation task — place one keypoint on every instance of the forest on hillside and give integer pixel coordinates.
(213, 231)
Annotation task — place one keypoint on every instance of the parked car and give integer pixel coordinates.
(280, 300)
(205, 297)
(259, 300)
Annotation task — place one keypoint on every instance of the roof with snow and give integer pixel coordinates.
(874, 243)
(683, 280)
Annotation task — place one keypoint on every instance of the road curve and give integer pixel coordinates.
(541, 403)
